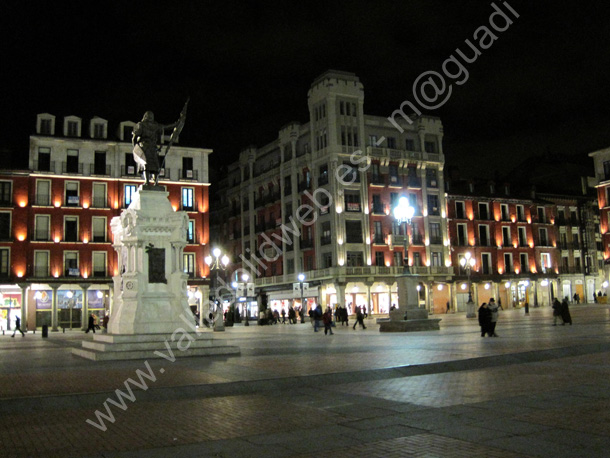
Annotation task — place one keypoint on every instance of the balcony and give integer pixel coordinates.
(436, 240)
(99, 170)
(417, 240)
(394, 180)
(414, 182)
(188, 174)
(129, 171)
(303, 185)
(71, 168)
(378, 209)
(305, 244)
(379, 239)
(353, 207)
(571, 270)
(44, 166)
(325, 240)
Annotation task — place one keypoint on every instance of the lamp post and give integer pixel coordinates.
(403, 213)
(243, 287)
(301, 278)
(467, 263)
(217, 263)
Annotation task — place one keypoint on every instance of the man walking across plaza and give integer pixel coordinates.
(327, 319)
(18, 327)
(359, 318)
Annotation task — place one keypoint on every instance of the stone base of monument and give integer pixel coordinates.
(411, 320)
(118, 347)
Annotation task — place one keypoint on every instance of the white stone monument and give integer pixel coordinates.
(150, 307)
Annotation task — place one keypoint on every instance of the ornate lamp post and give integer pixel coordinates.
(403, 213)
(243, 288)
(467, 263)
(217, 263)
(301, 278)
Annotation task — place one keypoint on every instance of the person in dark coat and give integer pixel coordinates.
(556, 311)
(485, 320)
(327, 319)
(91, 324)
(18, 327)
(565, 312)
(359, 318)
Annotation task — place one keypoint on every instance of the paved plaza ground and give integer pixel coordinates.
(534, 391)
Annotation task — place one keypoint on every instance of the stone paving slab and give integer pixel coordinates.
(535, 391)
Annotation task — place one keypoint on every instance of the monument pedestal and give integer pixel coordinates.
(151, 313)
(409, 317)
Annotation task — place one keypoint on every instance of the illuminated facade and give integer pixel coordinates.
(56, 244)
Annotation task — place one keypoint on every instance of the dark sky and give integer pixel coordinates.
(542, 86)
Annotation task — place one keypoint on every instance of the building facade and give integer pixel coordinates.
(56, 245)
(319, 200)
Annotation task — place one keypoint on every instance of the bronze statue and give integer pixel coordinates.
(147, 138)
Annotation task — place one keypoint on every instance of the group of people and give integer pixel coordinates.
(561, 311)
(488, 318)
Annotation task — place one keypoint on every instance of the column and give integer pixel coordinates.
(369, 306)
(340, 291)
(54, 309)
(85, 312)
(204, 304)
(24, 308)
(475, 295)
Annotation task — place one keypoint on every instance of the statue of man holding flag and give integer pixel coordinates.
(147, 139)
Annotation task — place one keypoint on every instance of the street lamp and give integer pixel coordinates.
(403, 213)
(467, 263)
(301, 278)
(217, 263)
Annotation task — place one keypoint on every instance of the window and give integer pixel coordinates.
(391, 142)
(398, 258)
(435, 234)
(545, 261)
(72, 165)
(520, 213)
(44, 160)
(187, 168)
(45, 127)
(522, 237)
(523, 262)
(483, 211)
(42, 228)
(348, 174)
(290, 265)
(98, 225)
(189, 264)
(410, 144)
(98, 130)
(483, 235)
(377, 205)
(72, 130)
(372, 140)
(394, 178)
(5, 226)
(287, 185)
(437, 259)
(71, 264)
(462, 235)
(430, 147)
(506, 240)
(71, 198)
(326, 239)
(43, 192)
(433, 205)
(41, 264)
(504, 212)
(342, 107)
(99, 196)
(379, 261)
(130, 165)
(543, 239)
(188, 199)
(460, 210)
(541, 218)
(130, 190)
(486, 263)
(353, 232)
(4, 262)
(99, 263)
(70, 228)
(352, 202)
(190, 231)
(508, 263)
(378, 233)
(355, 259)
(99, 163)
(6, 193)
(431, 178)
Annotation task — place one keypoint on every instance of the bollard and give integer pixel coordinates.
(527, 308)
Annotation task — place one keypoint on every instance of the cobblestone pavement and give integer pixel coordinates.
(535, 391)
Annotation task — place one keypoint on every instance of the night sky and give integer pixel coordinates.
(542, 86)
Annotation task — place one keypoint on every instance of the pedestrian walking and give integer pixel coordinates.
(91, 324)
(485, 319)
(556, 311)
(493, 308)
(565, 312)
(18, 327)
(283, 316)
(292, 316)
(359, 319)
(317, 316)
(576, 298)
(448, 306)
(327, 319)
